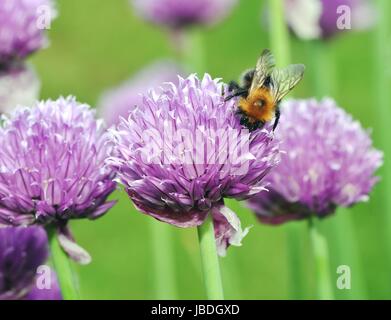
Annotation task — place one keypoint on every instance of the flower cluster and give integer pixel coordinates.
(178, 13)
(22, 251)
(314, 19)
(118, 102)
(329, 161)
(52, 168)
(183, 150)
(22, 27)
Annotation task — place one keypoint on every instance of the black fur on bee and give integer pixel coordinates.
(246, 122)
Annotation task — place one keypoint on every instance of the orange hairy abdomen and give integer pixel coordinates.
(250, 107)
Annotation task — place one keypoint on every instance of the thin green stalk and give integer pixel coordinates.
(194, 54)
(63, 268)
(321, 70)
(338, 229)
(344, 249)
(210, 261)
(295, 258)
(279, 38)
(322, 263)
(189, 50)
(383, 108)
(164, 266)
(279, 41)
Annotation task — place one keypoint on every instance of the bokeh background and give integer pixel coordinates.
(98, 44)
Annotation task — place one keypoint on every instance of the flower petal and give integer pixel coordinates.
(228, 230)
(102, 209)
(69, 245)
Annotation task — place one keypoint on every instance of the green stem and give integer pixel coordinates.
(321, 68)
(210, 261)
(279, 41)
(322, 263)
(383, 110)
(189, 50)
(63, 268)
(295, 260)
(279, 38)
(344, 249)
(338, 229)
(164, 266)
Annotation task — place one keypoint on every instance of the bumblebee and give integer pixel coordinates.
(262, 89)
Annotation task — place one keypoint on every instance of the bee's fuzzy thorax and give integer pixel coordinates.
(253, 111)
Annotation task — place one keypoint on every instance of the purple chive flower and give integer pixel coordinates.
(329, 161)
(22, 251)
(22, 27)
(52, 168)
(314, 19)
(183, 150)
(19, 85)
(118, 102)
(178, 14)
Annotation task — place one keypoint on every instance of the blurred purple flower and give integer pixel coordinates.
(22, 27)
(19, 85)
(329, 162)
(313, 19)
(183, 150)
(22, 251)
(120, 101)
(178, 14)
(52, 168)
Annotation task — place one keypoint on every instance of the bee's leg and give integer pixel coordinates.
(233, 85)
(239, 92)
(278, 114)
(260, 124)
(244, 121)
(253, 126)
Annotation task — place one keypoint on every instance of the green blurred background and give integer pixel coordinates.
(98, 44)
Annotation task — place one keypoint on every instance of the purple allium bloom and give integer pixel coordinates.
(118, 102)
(178, 14)
(52, 168)
(313, 19)
(19, 85)
(329, 161)
(22, 251)
(22, 27)
(183, 150)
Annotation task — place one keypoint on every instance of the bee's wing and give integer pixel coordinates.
(284, 80)
(264, 68)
